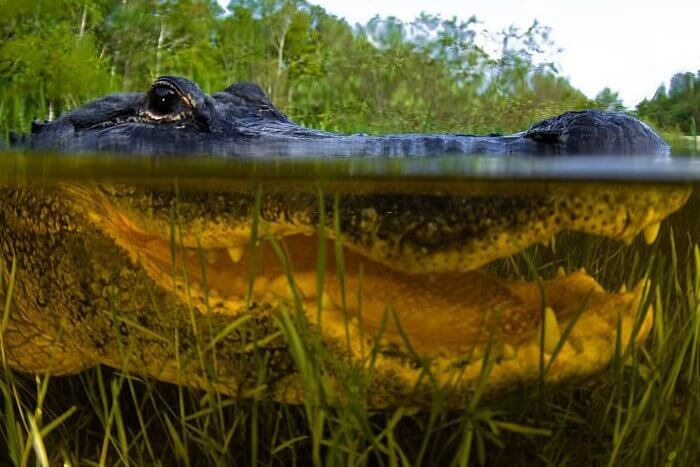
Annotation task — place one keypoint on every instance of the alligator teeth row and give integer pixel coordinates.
(508, 352)
(650, 234)
(212, 257)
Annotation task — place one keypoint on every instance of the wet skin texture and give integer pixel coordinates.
(158, 282)
(175, 116)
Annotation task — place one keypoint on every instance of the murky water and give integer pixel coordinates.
(547, 265)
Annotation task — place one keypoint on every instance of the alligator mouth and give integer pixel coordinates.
(449, 318)
(403, 318)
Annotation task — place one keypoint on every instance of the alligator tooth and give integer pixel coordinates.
(651, 231)
(212, 256)
(281, 287)
(551, 330)
(561, 272)
(327, 302)
(235, 253)
(507, 352)
(476, 354)
(623, 289)
(643, 286)
(383, 343)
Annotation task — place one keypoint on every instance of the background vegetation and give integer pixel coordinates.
(678, 108)
(432, 74)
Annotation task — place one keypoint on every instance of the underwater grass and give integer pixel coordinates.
(642, 411)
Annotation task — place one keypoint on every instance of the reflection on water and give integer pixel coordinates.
(37, 168)
(685, 145)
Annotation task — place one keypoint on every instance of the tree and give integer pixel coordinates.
(49, 58)
(386, 76)
(679, 108)
(609, 100)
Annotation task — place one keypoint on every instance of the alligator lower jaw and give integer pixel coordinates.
(449, 319)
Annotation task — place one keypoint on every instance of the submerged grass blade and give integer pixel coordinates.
(340, 263)
(321, 254)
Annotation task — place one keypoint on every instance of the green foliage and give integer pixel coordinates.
(609, 100)
(431, 74)
(49, 60)
(679, 108)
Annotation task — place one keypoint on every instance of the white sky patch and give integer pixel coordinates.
(631, 46)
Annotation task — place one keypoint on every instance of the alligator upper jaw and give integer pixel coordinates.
(449, 318)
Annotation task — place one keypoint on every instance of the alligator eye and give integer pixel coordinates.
(163, 100)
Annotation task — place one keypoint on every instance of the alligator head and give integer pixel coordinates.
(175, 116)
(197, 286)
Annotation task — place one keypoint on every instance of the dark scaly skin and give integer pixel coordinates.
(241, 121)
(83, 296)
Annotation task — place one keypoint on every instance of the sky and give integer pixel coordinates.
(631, 46)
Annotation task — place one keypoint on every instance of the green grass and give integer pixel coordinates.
(643, 411)
(682, 144)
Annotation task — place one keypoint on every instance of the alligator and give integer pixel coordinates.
(175, 116)
(220, 289)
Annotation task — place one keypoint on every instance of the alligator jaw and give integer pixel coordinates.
(407, 323)
(451, 319)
